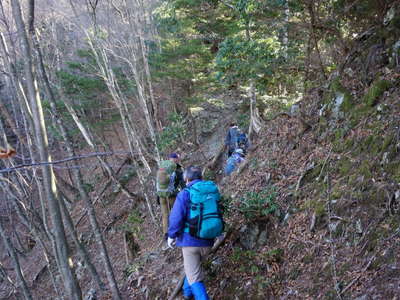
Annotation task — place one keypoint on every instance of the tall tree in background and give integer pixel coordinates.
(61, 245)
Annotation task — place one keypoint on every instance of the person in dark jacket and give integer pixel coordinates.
(231, 139)
(179, 183)
(193, 249)
(243, 141)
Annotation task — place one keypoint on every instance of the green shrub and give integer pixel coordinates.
(132, 224)
(259, 204)
(226, 205)
(173, 133)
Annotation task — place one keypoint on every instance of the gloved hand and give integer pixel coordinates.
(171, 242)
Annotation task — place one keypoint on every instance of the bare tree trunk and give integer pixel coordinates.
(313, 36)
(131, 132)
(83, 194)
(62, 250)
(14, 257)
(255, 120)
(91, 143)
(16, 85)
(285, 39)
(156, 116)
(80, 247)
(39, 230)
(4, 112)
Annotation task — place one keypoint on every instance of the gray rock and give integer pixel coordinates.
(336, 111)
(359, 228)
(208, 126)
(253, 235)
(223, 283)
(80, 269)
(217, 262)
(286, 218)
(396, 53)
(321, 112)
(333, 227)
(294, 109)
(262, 238)
(91, 295)
(389, 16)
(385, 158)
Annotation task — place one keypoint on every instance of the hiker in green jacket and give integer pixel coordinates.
(169, 183)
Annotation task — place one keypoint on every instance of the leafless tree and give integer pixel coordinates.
(61, 245)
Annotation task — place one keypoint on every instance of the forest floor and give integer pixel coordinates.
(335, 232)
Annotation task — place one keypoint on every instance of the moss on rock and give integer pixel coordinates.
(386, 143)
(313, 173)
(338, 88)
(375, 91)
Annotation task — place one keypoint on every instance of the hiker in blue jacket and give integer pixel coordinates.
(243, 142)
(231, 139)
(193, 249)
(233, 161)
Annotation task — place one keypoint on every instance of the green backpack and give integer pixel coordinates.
(165, 178)
(204, 218)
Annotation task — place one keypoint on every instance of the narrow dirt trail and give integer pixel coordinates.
(155, 272)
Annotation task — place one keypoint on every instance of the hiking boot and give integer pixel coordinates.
(187, 290)
(199, 291)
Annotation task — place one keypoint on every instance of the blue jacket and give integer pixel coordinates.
(232, 163)
(177, 220)
(231, 138)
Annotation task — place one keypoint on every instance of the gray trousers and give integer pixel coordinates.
(192, 258)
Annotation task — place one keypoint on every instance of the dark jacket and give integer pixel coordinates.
(177, 219)
(179, 184)
(231, 138)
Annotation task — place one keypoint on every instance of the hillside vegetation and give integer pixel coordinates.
(95, 93)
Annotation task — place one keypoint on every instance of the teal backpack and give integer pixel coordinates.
(204, 217)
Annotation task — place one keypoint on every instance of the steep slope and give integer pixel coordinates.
(313, 213)
(336, 232)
